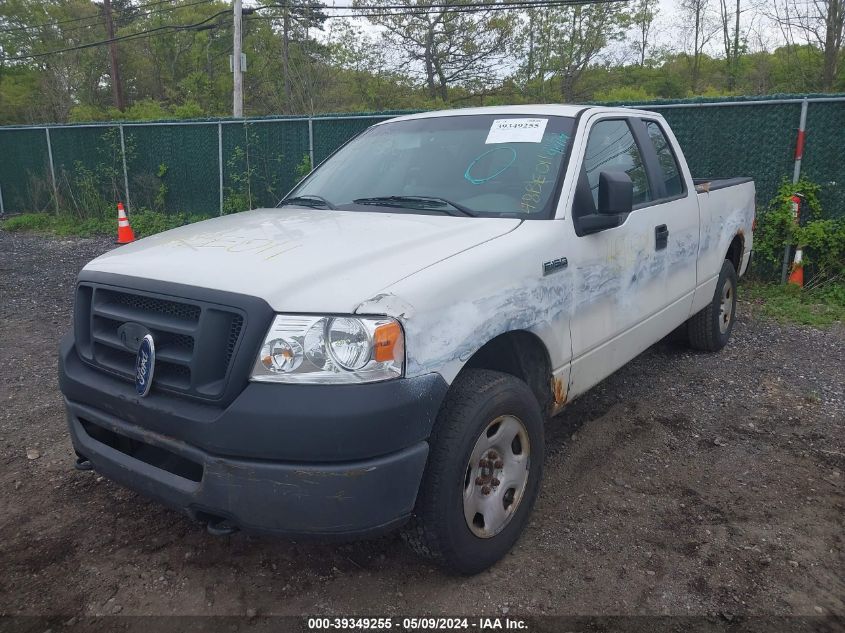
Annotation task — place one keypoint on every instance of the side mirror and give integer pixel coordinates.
(616, 193)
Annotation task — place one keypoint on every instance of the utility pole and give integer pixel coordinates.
(238, 84)
(116, 86)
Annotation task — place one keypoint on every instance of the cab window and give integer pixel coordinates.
(611, 147)
(669, 171)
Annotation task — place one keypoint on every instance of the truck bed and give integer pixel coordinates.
(703, 185)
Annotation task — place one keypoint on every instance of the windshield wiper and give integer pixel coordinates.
(420, 202)
(315, 202)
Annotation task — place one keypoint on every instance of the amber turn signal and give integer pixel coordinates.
(388, 343)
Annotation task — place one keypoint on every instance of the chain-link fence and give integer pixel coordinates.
(223, 165)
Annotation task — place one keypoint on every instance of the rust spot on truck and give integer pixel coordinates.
(558, 395)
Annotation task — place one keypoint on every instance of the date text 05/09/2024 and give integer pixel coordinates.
(417, 624)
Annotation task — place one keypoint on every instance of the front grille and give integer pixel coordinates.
(184, 311)
(195, 341)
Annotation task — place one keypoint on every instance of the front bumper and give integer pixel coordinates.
(333, 460)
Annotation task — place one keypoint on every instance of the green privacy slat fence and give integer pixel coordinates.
(24, 152)
(824, 156)
(715, 144)
(177, 164)
(220, 165)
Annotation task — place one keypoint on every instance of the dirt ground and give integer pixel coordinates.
(685, 484)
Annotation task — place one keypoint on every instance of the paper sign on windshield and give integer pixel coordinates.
(517, 131)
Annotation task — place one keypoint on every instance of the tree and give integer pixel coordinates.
(447, 42)
(564, 40)
(734, 40)
(32, 28)
(642, 18)
(698, 28)
(297, 18)
(817, 22)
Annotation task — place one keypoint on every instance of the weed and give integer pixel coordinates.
(818, 307)
(144, 223)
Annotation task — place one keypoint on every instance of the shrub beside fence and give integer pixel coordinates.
(225, 165)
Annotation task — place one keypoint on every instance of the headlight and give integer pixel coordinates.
(324, 349)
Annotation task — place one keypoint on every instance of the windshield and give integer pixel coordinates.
(468, 165)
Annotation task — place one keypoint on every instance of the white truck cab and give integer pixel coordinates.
(382, 349)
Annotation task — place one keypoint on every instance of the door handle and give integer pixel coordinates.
(661, 237)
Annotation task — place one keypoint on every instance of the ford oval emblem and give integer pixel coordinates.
(145, 363)
(131, 334)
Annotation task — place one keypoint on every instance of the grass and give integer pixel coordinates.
(144, 223)
(818, 307)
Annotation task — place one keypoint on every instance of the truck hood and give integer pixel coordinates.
(301, 260)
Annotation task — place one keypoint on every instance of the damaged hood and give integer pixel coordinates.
(301, 260)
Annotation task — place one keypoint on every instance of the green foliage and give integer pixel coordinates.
(822, 240)
(83, 113)
(238, 196)
(624, 94)
(29, 222)
(188, 110)
(304, 167)
(91, 191)
(146, 109)
(18, 85)
(62, 225)
(818, 307)
(161, 195)
(253, 172)
(147, 222)
(144, 223)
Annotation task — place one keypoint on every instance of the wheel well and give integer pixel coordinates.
(520, 354)
(734, 254)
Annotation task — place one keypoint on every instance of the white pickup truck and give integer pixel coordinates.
(383, 348)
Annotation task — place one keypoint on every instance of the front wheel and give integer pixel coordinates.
(483, 473)
(710, 329)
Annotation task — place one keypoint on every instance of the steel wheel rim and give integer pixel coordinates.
(726, 307)
(496, 476)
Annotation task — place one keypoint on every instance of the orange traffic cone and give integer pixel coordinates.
(796, 276)
(125, 235)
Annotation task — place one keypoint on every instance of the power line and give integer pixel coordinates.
(134, 15)
(131, 36)
(130, 9)
(476, 5)
(390, 10)
(362, 13)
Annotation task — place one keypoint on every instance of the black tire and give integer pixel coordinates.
(704, 330)
(438, 529)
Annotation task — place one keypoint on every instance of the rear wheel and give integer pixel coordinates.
(710, 329)
(483, 473)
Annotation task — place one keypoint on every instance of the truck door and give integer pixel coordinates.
(634, 282)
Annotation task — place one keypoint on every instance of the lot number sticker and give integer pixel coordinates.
(517, 131)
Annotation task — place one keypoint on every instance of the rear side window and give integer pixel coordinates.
(611, 147)
(670, 174)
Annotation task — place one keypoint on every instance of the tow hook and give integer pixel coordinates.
(82, 463)
(223, 527)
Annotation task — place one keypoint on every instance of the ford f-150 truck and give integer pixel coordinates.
(382, 349)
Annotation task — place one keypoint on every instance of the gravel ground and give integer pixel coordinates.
(685, 484)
